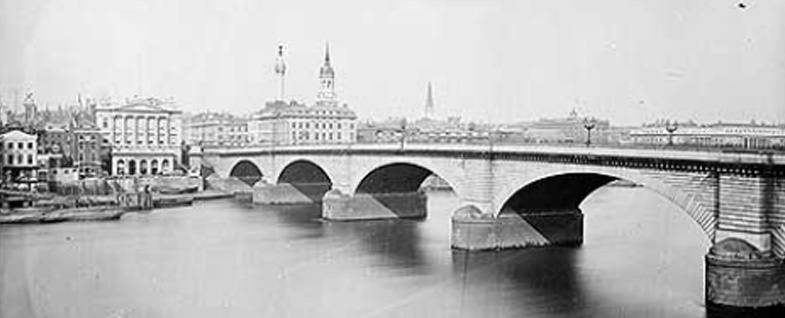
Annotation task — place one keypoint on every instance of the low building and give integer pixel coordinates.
(216, 129)
(145, 135)
(20, 157)
(80, 145)
(564, 130)
(723, 135)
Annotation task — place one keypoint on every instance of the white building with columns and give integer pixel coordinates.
(145, 134)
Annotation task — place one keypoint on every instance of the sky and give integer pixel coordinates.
(628, 61)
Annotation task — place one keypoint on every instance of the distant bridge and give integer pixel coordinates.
(517, 196)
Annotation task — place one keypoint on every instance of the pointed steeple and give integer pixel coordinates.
(326, 95)
(327, 53)
(327, 70)
(429, 102)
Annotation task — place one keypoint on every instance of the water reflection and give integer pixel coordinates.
(395, 244)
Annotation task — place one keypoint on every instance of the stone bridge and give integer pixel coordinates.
(519, 196)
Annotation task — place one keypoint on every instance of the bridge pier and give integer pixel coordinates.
(289, 193)
(338, 206)
(738, 275)
(473, 230)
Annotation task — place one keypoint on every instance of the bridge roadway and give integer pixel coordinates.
(520, 196)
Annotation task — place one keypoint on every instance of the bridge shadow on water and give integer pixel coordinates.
(395, 244)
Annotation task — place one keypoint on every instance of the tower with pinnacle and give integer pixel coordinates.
(280, 71)
(326, 95)
(429, 103)
(31, 110)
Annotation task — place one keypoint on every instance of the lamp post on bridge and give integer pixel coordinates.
(671, 128)
(588, 124)
(403, 132)
(491, 135)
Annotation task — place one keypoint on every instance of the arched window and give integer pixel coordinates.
(120, 167)
(154, 166)
(132, 167)
(165, 165)
(143, 167)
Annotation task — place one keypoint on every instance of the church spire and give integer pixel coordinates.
(429, 102)
(326, 95)
(327, 53)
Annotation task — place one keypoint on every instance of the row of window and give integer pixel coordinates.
(19, 159)
(19, 145)
(161, 121)
(307, 125)
(304, 135)
(132, 167)
(233, 128)
(140, 142)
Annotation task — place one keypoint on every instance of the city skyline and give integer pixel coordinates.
(625, 61)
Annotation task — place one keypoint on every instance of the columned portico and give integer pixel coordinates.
(145, 135)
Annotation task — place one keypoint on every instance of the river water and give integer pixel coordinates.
(642, 257)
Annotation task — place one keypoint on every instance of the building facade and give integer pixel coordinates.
(216, 129)
(20, 156)
(80, 145)
(723, 135)
(145, 135)
(285, 123)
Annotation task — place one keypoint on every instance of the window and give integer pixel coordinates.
(10, 159)
(339, 127)
(20, 145)
(29, 145)
(10, 145)
(29, 159)
(106, 123)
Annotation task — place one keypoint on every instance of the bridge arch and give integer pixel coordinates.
(399, 177)
(247, 171)
(559, 188)
(307, 178)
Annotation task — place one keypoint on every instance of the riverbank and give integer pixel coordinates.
(102, 212)
(51, 215)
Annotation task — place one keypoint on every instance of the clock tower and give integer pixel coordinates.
(326, 95)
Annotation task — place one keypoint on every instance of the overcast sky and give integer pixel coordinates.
(629, 61)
